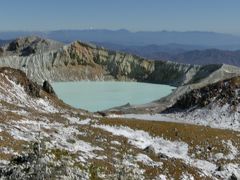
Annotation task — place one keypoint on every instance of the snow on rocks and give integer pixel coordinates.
(232, 154)
(127, 168)
(162, 177)
(147, 117)
(186, 176)
(233, 151)
(216, 116)
(3, 162)
(146, 160)
(170, 149)
(16, 94)
(6, 150)
(115, 142)
(76, 120)
(61, 136)
(229, 169)
(142, 139)
(45, 106)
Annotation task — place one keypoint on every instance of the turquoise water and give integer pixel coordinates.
(96, 96)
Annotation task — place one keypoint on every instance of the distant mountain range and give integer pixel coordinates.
(152, 48)
(183, 47)
(209, 56)
(141, 38)
(180, 53)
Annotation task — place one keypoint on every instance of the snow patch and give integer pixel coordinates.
(143, 158)
(76, 120)
(115, 142)
(16, 94)
(171, 149)
(186, 176)
(142, 139)
(61, 136)
(162, 177)
(221, 117)
(6, 150)
(4, 162)
(216, 117)
(228, 170)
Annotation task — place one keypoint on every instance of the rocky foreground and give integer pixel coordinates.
(41, 137)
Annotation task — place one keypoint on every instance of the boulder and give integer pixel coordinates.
(233, 177)
(162, 156)
(150, 150)
(48, 88)
(220, 168)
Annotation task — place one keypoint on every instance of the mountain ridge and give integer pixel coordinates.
(88, 61)
(125, 37)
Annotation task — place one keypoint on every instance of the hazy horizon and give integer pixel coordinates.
(132, 15)
(121, 29)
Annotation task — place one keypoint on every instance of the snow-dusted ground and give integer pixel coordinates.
(223, 117)
(16, 95)
(216, 117)
(38, 119)
(29, 130)
(59, 134)
(147, 160)
(148, 117)
(173, 149)
(142, 139)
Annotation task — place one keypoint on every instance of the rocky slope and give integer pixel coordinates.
(78, 61)
(42, 138)
(216, 105)
(221, 92)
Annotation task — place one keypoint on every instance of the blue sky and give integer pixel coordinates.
(134, 15)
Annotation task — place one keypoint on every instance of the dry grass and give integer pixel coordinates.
(209, 139)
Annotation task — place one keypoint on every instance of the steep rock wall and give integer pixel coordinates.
(81, 61)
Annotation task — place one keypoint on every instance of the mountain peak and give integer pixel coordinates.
(25, 46)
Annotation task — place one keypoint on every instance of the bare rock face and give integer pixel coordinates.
(81, 53)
